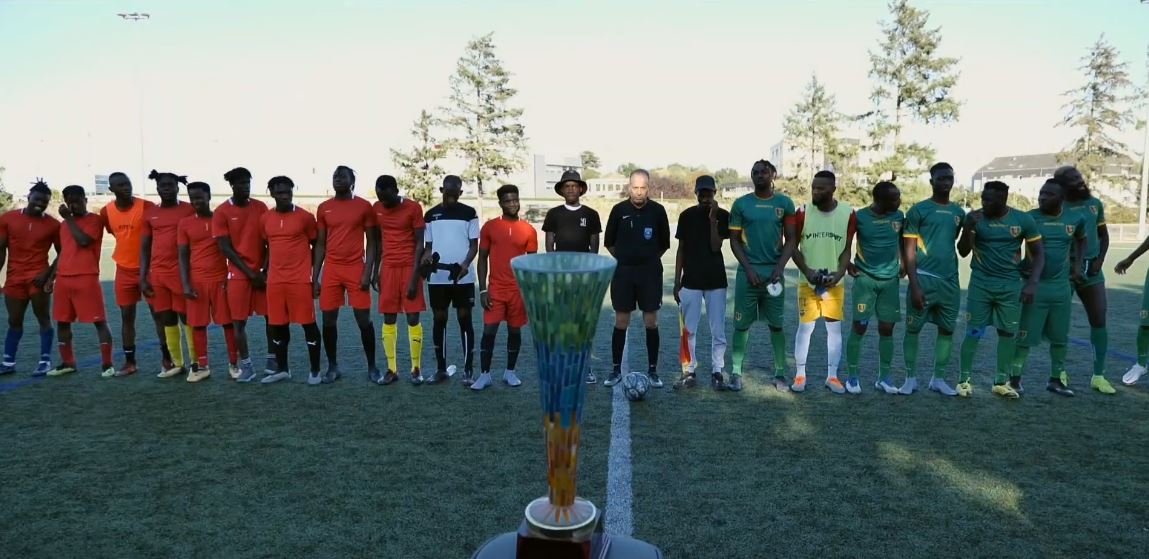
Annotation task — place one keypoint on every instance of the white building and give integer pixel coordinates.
(1026, 173)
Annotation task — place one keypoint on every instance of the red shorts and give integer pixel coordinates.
(290, 303)
(339, 279)
(210, 304)
(167, 294)
(393, 283)
(20, 289)
(78, 299)
(127, 286)
(507, 307)
(243, 300)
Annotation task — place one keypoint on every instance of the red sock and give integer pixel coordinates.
(229, 337)
(199, 336)
(66, 354)
(106, 355)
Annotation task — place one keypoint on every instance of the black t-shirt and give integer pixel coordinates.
(702, 268)
(638, 236)
(572, 228)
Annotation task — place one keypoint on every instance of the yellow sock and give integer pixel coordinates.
(390, 338)
(172, 336)
(415, 337)
(191, 344)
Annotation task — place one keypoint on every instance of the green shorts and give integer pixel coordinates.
(752, 304)
(999, 306)
(876, 296)
(943, 299)
(1047, 316)
(1088, 280)
(1145, 302)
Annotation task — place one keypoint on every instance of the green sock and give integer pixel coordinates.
(1100, 339)
(853, 348)
(1143, 346)
(910, 354)
(1057, 353)
(944, 348)
(885, 356)
(778, 340)
(738, 355)
(968, 352)
(1020, 354)
(1005, 347)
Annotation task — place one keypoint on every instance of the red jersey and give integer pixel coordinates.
(160, 224)
(345, 222)
(241, 225)
(74, 259)
(505, 239)
(289, 236)
(206, 261)
(29, 239)
(398, 226)
(126, 226)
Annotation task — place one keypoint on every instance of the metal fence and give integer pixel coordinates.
(1123, 233)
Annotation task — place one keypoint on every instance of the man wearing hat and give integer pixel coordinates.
(572, 227)
(700, 276)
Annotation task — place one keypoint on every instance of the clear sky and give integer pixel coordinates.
(298, 87)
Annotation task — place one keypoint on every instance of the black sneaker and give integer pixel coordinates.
(654, 380)
(717, 381)
(375, 376)
(687, 380)
(468, 378)
(388, 378)
(1015, 383)
(1055, 386)
(438, 377)
(613, 379)
(735, 383)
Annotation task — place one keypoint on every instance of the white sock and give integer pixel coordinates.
(802, 345)
(833, 348)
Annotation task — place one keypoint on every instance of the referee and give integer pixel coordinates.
(637, 235)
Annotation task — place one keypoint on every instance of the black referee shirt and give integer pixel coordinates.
(638, 235)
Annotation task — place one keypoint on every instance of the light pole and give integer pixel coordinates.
(138, 17)
(1144, 166)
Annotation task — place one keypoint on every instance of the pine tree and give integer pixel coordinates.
(488, 133)
(812, 124)
(1098, 108)
(913, 83)
(420, 171)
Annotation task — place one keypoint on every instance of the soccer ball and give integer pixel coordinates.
(635, 385)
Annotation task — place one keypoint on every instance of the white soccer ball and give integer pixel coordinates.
(635, 385)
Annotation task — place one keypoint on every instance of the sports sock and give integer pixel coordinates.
(66, 353)
(738, 351)
(1005, 347)
(968, 352)
(283, 336)
(1020, 354)
(415, 341)
(943, 348)
(802, 346)
(46, 344)
(172, 335)
(833, 348)
(367, 338)
(130, 354)
(1143, 346)
(617, 342)
(910, 354)
(331, 342)
(1057, 354)
(514, 342)
(853, 349)
(438, 331)
(486, 348)
(885, 356)
(468, 331)
(311, 336)
(778, 343)
(390, 335)
(652, 349)
(105, 355)
(229, 340)
(199, 338)
(191, 343)
(11, 343)
(1100, 339)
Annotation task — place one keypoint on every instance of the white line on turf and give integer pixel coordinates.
(619, 494)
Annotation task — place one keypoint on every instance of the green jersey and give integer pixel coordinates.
(935, 227)
(879, 242)
(1093, 212)
(997, 248)
(759, 223)
(1058, 235)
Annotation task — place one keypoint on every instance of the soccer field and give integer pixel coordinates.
(149, 467)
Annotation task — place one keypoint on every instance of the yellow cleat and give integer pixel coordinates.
(1100, 384)
(1006, 391)
(965, 389)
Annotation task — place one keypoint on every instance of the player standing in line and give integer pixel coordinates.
(877, 271)
(762, 238)
(825, 236)
(1048, 315)
(203, 273)
(500, 240)
(451, 239)
(344, 222)
(934, 293)
(637, 235)
(1139, 368)
(26, 235)
(700, 277)
(124, 219)
(996, 292)
(78, 297)
(235, 226)
(572, 227)
(160, 269)
(289, 232)
(401, 226)
(1091, 289)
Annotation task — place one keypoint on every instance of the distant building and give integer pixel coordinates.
(546, 172)
(101, 183)
(793, 161)
(605, 188)
(1026, 173)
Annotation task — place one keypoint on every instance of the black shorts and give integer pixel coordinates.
(460, 296)
(637, 285)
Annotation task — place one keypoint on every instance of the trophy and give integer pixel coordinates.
(563, 294)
